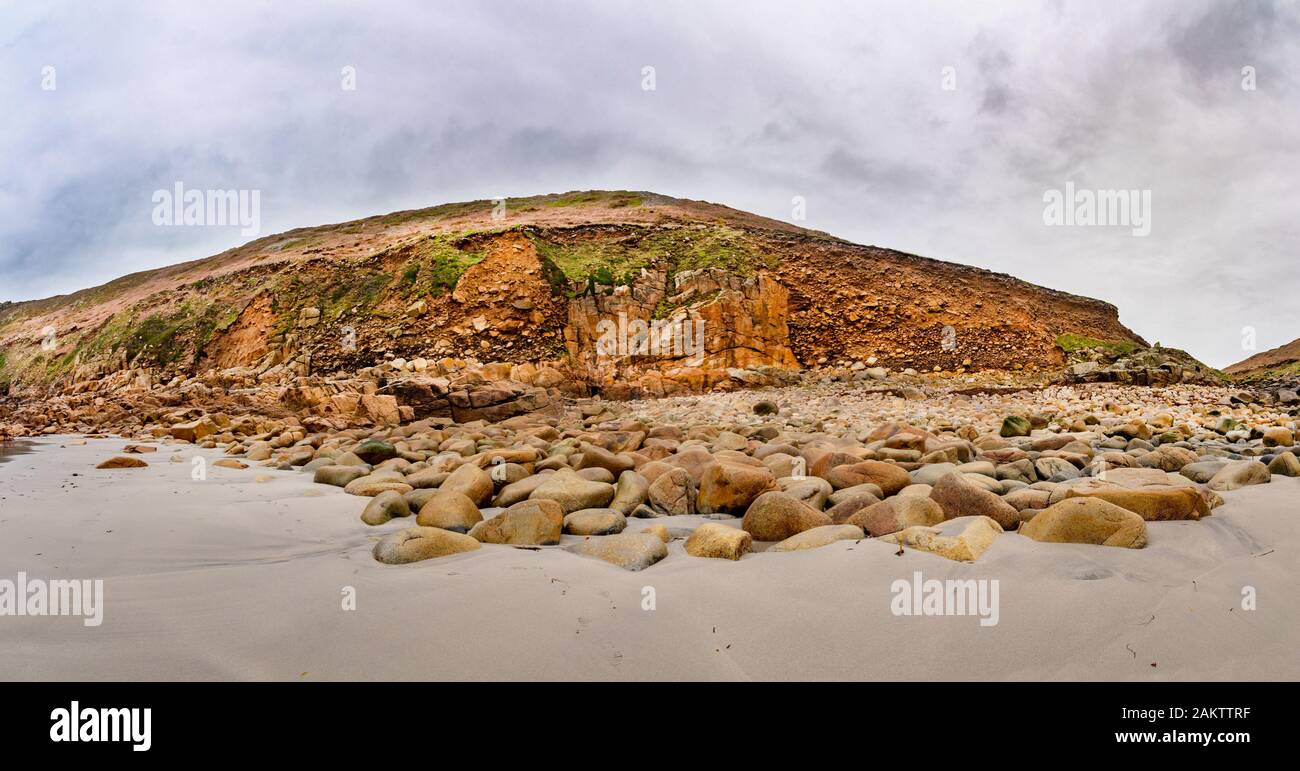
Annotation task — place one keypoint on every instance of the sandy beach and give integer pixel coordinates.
(233, 578)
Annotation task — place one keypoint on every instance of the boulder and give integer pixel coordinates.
(631, 491)
(384, 507)
(594, 522)
(1286, 464)
(572, 492)
(1023, 500)
(449, 510)
(1239, 474)
(530, 523)
(889, 477)
(845, 509)
(374, 451)
(1087, 520)
(1055, 469)
(630, 551)
(519, 491)
(813, 491)
(426, 478)
(714, 539)
(194, 431)
(1204, 470)
(962, 539)
(339, 476)
(472, 482)
(932, 472)
(775, 516)
(369, 486)
(421, 543)
(593, 456)
(1277, 436)
(897, 513)
(1015, 425)
(840, 496)
(597, 474)
(1168, 457)
(658, 531)
(673, 493)
(122, 461)
(1151, 502)
(1136, 477)
(729, 488)
(959, 497)
(819, 536)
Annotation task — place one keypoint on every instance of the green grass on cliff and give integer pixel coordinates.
(160, 337)
(442, 264)
(1071, 343)
(616, 260)
(615, 199)
(1280, 372)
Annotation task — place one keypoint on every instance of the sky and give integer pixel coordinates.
(937, 128)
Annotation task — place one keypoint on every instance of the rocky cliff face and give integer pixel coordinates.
(622, 294)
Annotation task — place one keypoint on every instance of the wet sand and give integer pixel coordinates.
(13, 447)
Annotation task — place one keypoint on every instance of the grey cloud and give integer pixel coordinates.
(839, 103)
(1217, 43)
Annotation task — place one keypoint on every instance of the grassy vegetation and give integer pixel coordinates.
(1145, 357)
(600, 264)
(1288, 370)
(111, 336)
(612, 263)
(216, 318)
(360, 290)
(409, 274)
(617, 199)
(301, 243)
(163, 337)
(57, 365)
(441, 263)
(442, 211)
(1071, 343)
(160, 337)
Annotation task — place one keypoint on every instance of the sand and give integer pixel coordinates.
(234, 579)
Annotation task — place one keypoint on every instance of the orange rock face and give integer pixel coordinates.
(667, 336)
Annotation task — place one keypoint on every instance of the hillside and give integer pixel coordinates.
(452, 280)
(1280, 362)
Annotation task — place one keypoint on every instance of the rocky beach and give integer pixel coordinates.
(749, 534)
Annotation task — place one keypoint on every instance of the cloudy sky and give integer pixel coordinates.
(848, 105)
